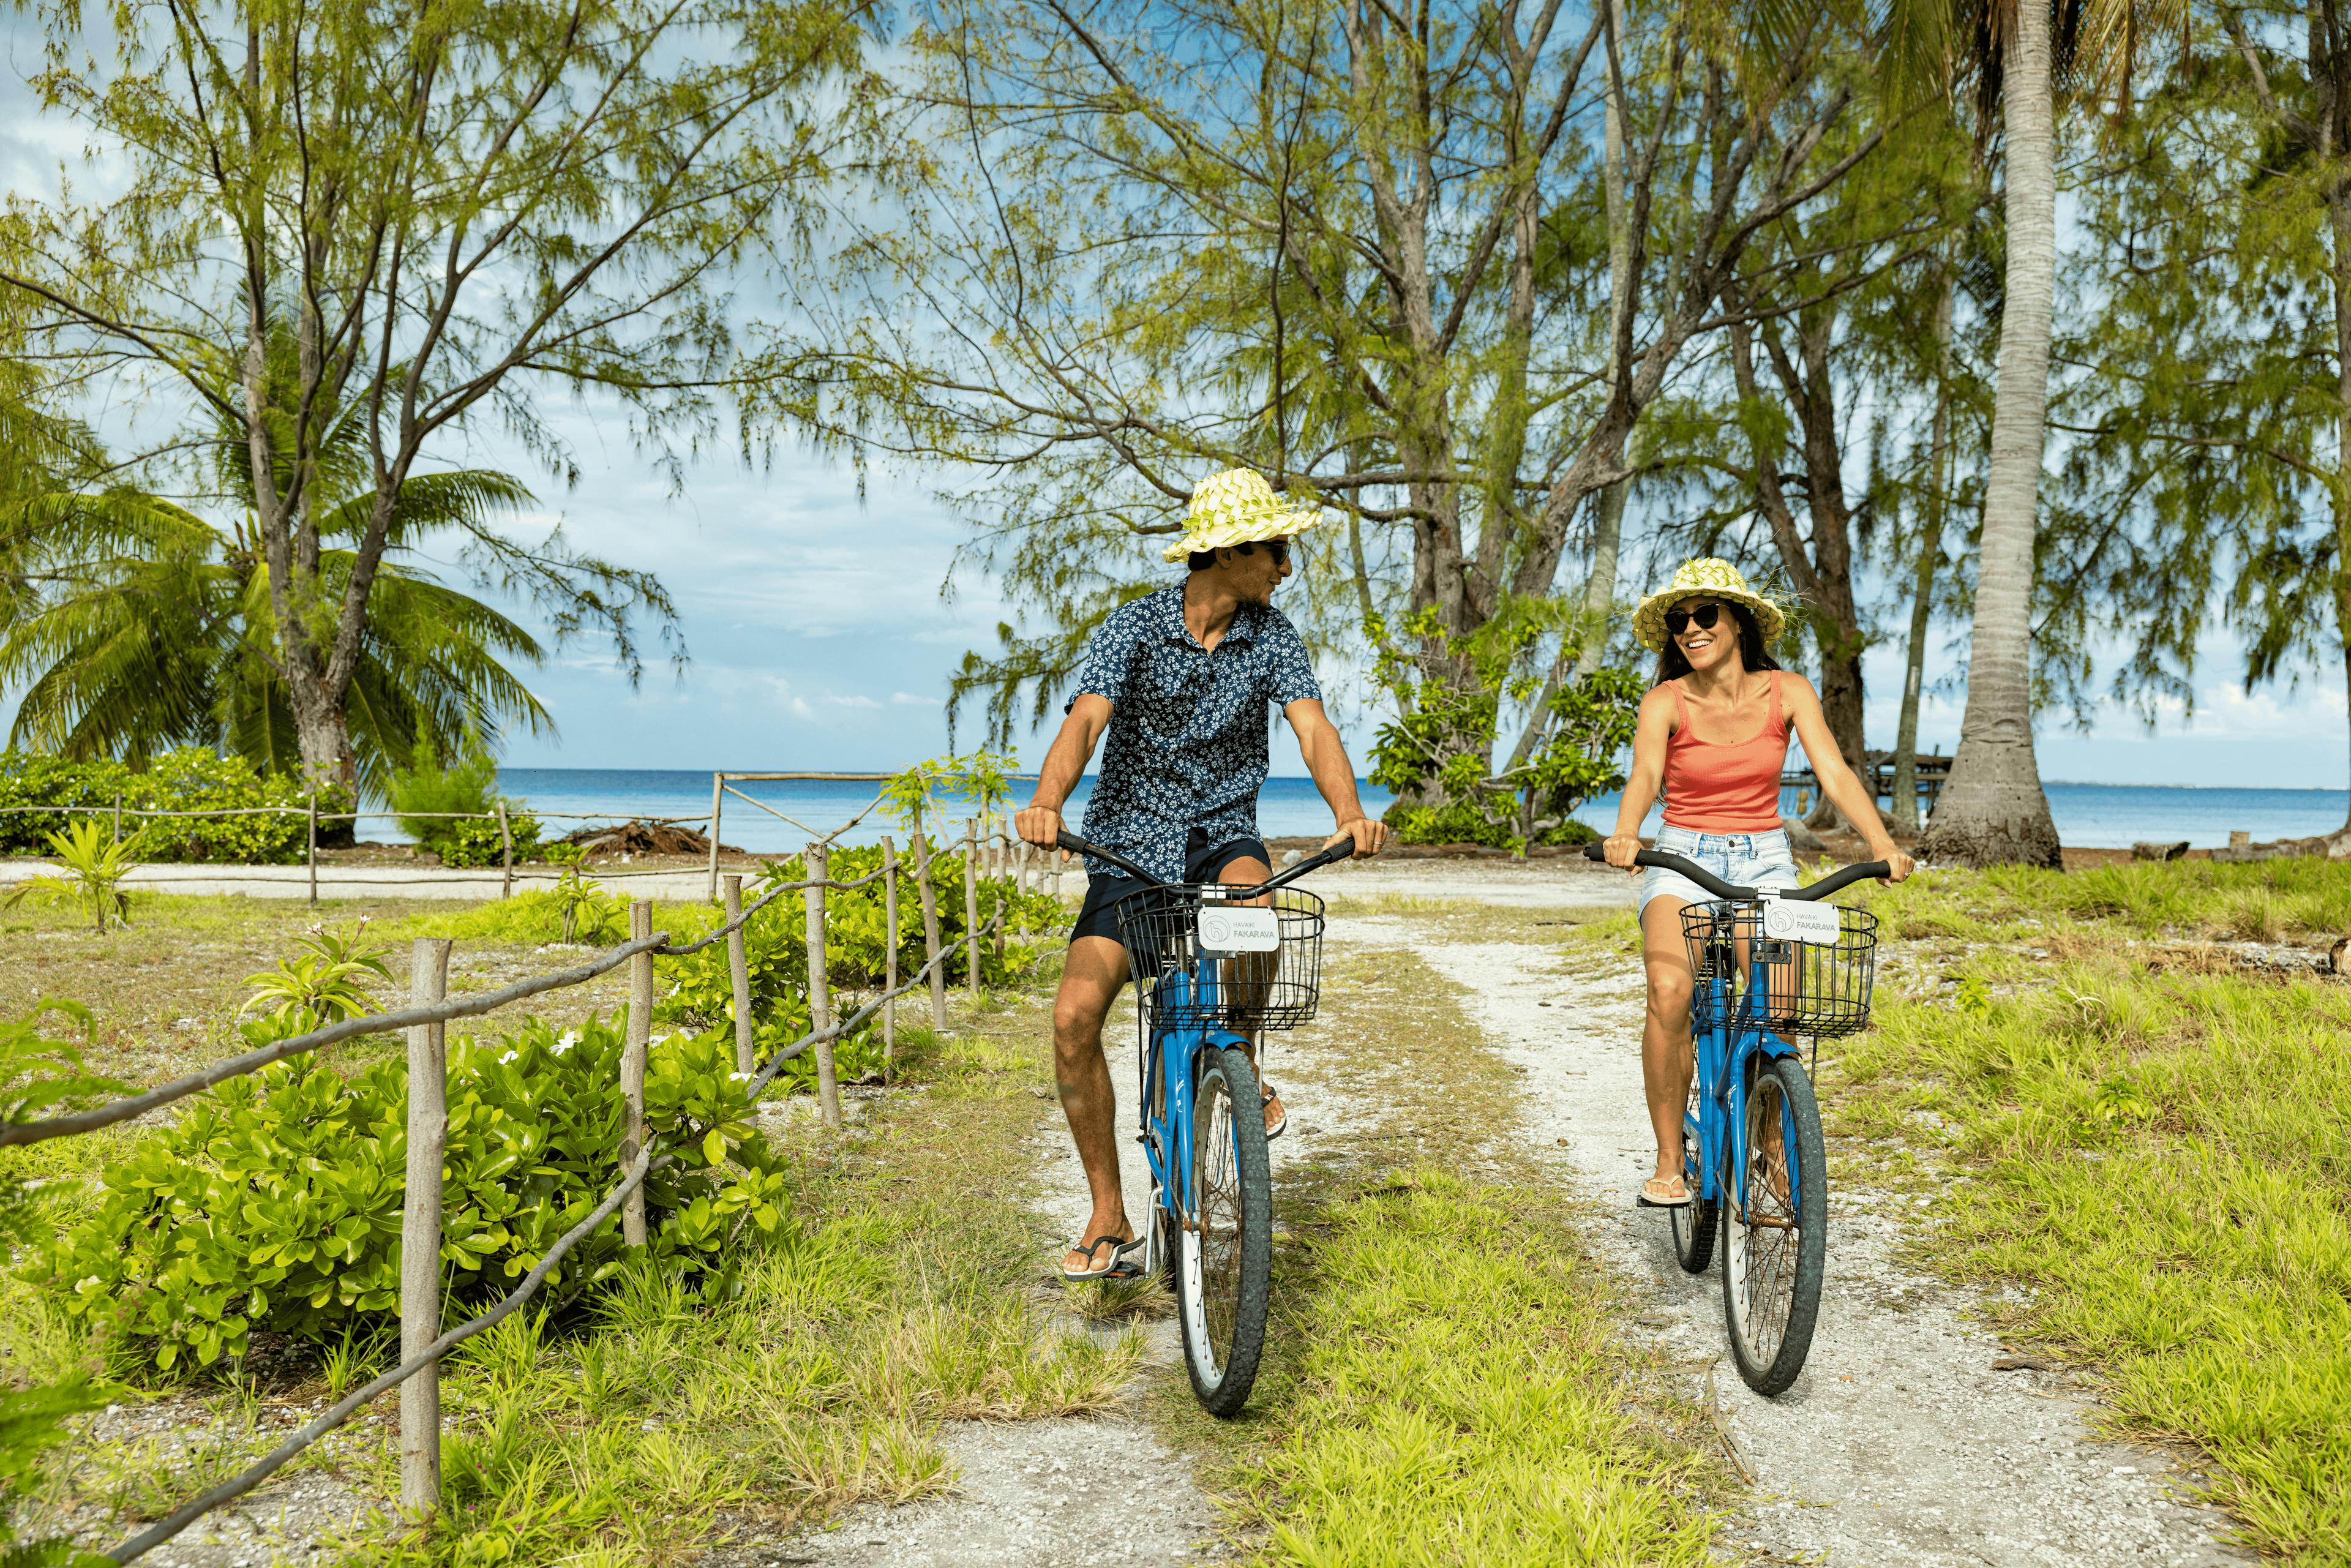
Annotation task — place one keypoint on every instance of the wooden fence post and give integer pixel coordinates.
(739, 967)
(819, 995)
(633, 1052)
(716, 805)
(889, 960)
(971, 903)
(420, 1233)
(930, 898)
(505, 854)
(314, 849)
(118, 816)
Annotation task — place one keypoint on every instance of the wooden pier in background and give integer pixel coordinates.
(1878, 774)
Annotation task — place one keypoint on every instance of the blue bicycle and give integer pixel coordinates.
(1214, 967)
(1752, 1151)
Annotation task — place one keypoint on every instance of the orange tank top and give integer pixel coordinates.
(1712, 787)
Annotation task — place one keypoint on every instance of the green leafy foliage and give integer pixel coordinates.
(276, 1201)
(468, 784)
(327, 982)
(92, 868)
(40, 1075)
(1437, 755)
(775, 944)
(188, 780)
(982, 779)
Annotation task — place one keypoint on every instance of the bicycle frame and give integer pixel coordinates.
(1723, 1056)
(1174, 1052)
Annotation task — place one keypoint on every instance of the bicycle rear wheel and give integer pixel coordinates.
(1225, 1259)
(1694, 1222)
(1775, 1248)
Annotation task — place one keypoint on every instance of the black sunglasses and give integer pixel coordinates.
(1679, 621)
(1278, 549)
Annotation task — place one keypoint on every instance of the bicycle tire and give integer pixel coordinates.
(1775, 1252)
(1224, 1276)
(1694, 1222)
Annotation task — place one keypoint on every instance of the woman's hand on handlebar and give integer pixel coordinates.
(1620, 849)
(1370, 834)
(1901, 865)
(1039, 825)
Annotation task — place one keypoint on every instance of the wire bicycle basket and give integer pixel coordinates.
(1184, 984)
(1820, 989)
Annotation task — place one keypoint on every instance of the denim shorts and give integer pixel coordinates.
(1740, 859)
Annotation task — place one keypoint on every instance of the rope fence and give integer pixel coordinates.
(423, 1341)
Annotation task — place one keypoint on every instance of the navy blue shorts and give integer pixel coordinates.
(1201, 864)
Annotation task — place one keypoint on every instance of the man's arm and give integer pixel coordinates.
(1326, 760)
(1039, 821)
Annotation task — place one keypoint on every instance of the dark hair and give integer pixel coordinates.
(1202, 559)
(1753, 651)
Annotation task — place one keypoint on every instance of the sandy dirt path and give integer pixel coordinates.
(1899, 1443)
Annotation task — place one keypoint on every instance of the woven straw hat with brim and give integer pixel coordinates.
(1704, 577)
(1236, 507)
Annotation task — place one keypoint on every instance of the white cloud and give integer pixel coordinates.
(856, 702)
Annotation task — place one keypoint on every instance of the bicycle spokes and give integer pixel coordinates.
(1217, 1215)
(1766, 1224)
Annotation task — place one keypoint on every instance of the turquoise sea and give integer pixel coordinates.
(2088, 815)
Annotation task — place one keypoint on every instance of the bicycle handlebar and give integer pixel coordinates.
(1835, 882)
(1336, 852)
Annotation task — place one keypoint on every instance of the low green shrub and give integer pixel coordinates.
(469, 784)
(1465, 824)
(775, 945)
(188, 780)
(276, 1201)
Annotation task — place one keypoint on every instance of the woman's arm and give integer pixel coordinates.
(1837, 780)
(1651, 730)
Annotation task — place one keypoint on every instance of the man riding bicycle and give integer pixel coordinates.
(1179, 680)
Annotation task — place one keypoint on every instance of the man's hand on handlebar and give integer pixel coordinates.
(1039, 825)
(1620, 850)
(1371, 836)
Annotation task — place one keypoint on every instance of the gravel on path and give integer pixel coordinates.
(1899, 1443)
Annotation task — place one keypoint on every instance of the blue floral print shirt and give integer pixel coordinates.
(1186, 746)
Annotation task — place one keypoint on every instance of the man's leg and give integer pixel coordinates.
(1090, 977)
(1248, 871)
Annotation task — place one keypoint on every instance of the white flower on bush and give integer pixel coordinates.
(509, 1056)
(738, 1078)
(570, 1037)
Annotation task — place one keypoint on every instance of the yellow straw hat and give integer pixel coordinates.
(1704, 577)
(1236, 507)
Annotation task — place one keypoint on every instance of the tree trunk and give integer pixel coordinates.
(1930, 550)
(2338, 212)
(1993, 811)
(1608, 521)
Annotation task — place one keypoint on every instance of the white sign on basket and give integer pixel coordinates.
(1800, 920)
(1238, 928)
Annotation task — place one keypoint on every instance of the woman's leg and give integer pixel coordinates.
(1665, 1062)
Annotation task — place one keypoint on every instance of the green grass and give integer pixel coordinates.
(1462, 1399)
(1442, 1383)
(2162, 1160)
(2266, 900)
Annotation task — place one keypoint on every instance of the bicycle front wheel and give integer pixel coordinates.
(1775, 1243)
(1224, 1261)
(1694, 1222)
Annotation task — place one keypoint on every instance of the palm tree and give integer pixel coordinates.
(1993, 809)
(153, 628)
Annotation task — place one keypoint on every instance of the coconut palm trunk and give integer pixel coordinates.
(1930, 550)
(1993, 811)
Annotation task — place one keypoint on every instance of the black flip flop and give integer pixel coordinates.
(1120, 1265)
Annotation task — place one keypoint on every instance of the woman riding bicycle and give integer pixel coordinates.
(1713, 735)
